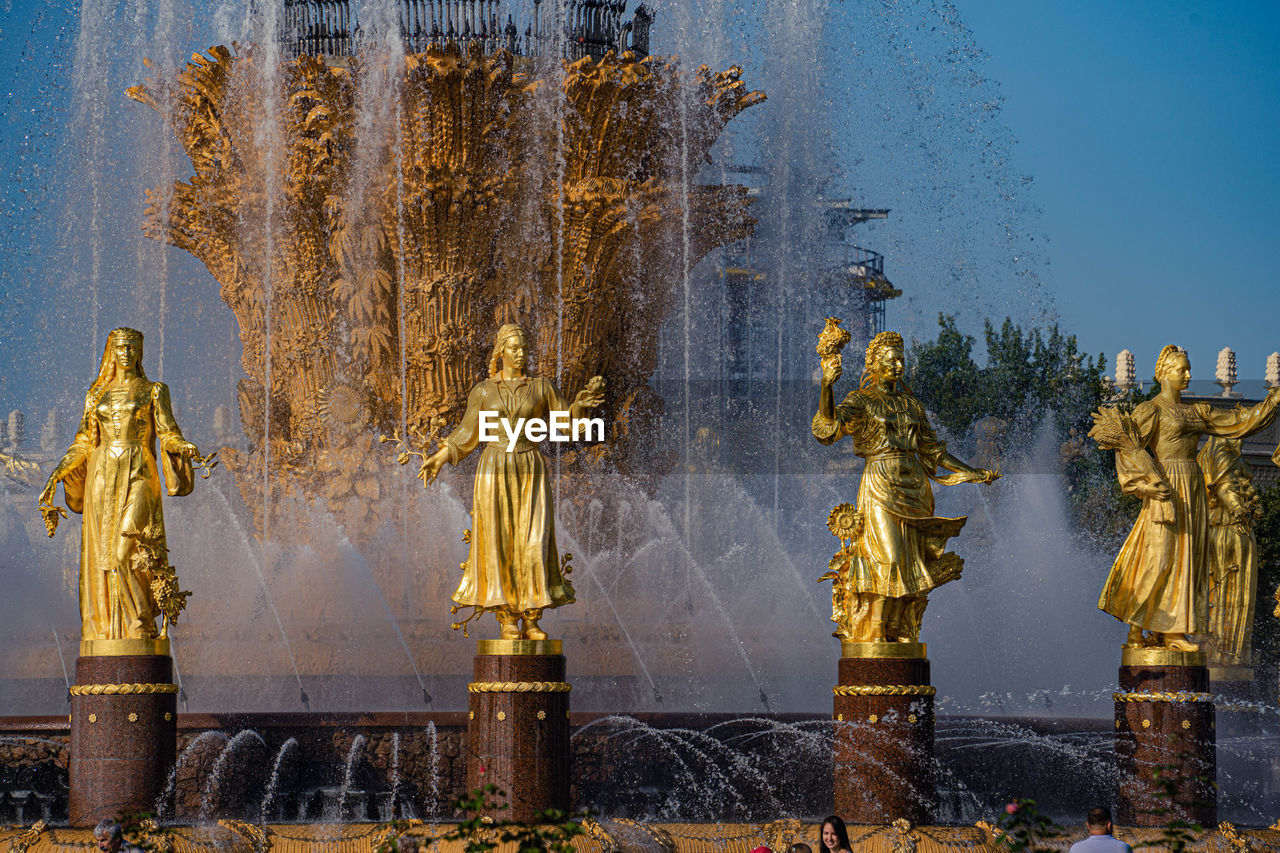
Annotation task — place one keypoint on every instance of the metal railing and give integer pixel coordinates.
(589, 28)
(856, 260)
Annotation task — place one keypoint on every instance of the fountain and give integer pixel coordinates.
(365, 268)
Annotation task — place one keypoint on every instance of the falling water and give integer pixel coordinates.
(273, 781)
(254, 560)
(165, 802)
(91, 104)
(433, 771)
(213, 785)
(348, 775)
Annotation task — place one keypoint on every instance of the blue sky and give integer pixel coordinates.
(1153, 133)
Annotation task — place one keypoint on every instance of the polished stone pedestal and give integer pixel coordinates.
(884, 734)
(124, 712)
(518, 725)
(1165, 731)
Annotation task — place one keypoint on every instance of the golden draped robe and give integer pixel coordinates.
(110, 475)
(513, 563)
(900, 549)
(1160, 579)
(1233, 552)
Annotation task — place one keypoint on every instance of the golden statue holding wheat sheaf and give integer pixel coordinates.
(1159, 582)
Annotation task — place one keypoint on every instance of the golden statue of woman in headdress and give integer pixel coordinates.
(897, 546)
(110, 475)
(513, 568)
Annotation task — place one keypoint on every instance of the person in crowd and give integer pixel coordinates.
(835, 837)
(1101, 839)
(109, 837)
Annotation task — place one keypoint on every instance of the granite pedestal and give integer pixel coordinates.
(518, 725)
(1165, 739)
(884, 734)
(124, 712)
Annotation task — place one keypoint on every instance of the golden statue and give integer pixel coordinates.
(1233, 552)
(513, 568)
(110, 475)
(1160, 580)
(894, 545)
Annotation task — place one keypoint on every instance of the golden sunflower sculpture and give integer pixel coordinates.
(845, 522)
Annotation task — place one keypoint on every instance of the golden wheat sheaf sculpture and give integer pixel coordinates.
(376, 264)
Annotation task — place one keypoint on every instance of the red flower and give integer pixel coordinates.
(1011, 808)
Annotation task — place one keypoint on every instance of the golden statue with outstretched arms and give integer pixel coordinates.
(1159, 582)
(110, 475)
(895, 547)
(513, 568)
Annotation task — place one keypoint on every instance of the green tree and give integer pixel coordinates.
(1029, 376)
(1266, 627)
(943, 374)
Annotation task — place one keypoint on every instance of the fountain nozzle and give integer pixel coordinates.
(302, 696)
(426, 697)
(764, 700)
(657, 697)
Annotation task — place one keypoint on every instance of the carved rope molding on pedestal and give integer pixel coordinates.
(885, 690)
(121, 689)
(519, 687)
(1180, 696)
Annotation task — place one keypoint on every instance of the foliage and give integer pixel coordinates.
(1266, 630)
(550, 831)
(1023, 827)
(944, 376)
(1029, 375)
(141, 831)
(1177, 834)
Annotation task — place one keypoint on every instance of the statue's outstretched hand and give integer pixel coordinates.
(990, 475)
(48, 511)
(430, 469)
(592, 395)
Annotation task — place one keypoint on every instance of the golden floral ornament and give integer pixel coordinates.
(845, 522)
(52, 513)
